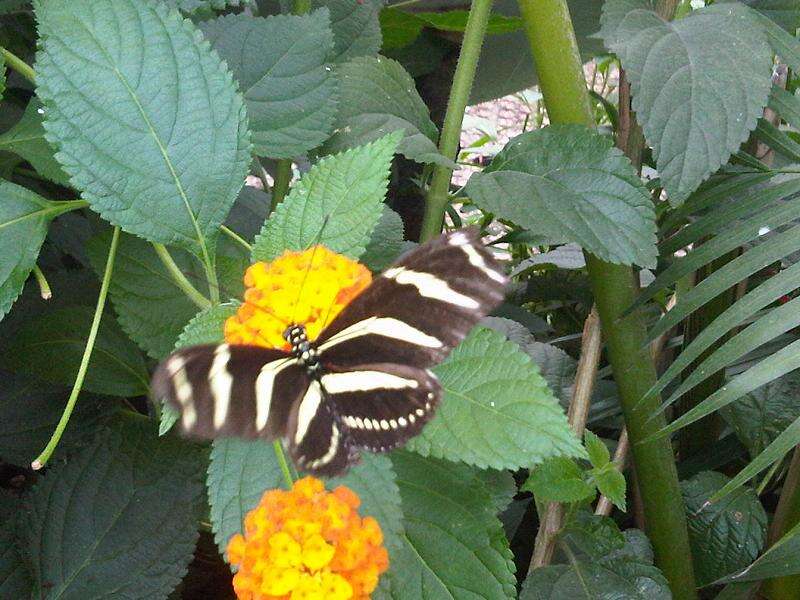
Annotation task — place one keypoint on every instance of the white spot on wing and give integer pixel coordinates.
(220, 382)
(183, 393)
(308, 409)
(430, 286)
(264, 384)
(476, 260)
(326, 458)
(386, 327)
(364, 381)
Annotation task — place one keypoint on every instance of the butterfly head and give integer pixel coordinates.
(302, 349)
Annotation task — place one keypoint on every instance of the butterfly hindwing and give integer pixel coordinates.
(231, 390)
(420, 308)
(381, 406)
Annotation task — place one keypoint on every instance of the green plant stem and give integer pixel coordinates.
(236, 238)
(180, 279)
(44, 288)
(438, 192)
(284, 464)
(787, 515)
(554, 47)
(19, 65)
(42, 459)
(283, 177)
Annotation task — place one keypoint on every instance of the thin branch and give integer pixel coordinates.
(180, 279)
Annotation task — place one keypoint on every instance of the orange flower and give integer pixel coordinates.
(308, 544)
(308, 288)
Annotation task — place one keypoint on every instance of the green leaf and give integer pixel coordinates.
(15, 580)
(558, 479)
(399, 28)
(337, 203)
(785, 13)
(26, 139)
(496, 410)
(597, 449)
(150, 307)
(764, 413)
(30, 409)
(454, 546)
(456, 20)
(204, 6)
(386, 242)
(51, 345)
(611, 484)
(356, 30)
(725, 536)
(696, 100)
(157, 140)
(24, 218)
(239, 473)
(783, 43)
(206, 327)
(570, 184)
(121, 515)
(2, 76)
(780, 560)
(280, 65)
(377, 96)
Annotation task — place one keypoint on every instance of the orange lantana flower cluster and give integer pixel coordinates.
(308, 544)
(308, 288)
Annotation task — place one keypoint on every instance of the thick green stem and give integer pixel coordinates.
(42, 459)
(19, 65)
(787, 515)
(438, 193)
(563, 85)
(180, 279)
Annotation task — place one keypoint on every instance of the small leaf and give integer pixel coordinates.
(150, 307)
(598, 451)
(206, 327)
(377, 96)
(121, 515)
(496, 410)
(337, 203)
(453, 541)
(356, 30)
(697, 101)
(386, 242)
(558, 479)
(26, 139)
(570, 184)
(204, 6)
(51, 347)
(280, 65)
(611, 484)
(725, 536)
(456, 20)
(24, 218)
(157, 140)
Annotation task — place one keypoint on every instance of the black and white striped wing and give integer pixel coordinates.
(231, 390)
(421, 307)
(381, 406)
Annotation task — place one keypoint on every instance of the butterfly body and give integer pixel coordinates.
(364, 383)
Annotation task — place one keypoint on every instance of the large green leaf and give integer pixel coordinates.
(26, 139)
(569, 184)
(337, 203)
(696, 99)
(120, 516)
(454, 546)
(151, 308)
(496, 410)
(386, 242)
(784, 12)
(156, 140)
(780, 560)
(238, 475)
(280, 64)
(24, 217)
(15, 580)
(204, 6)
(726, 536)
(356, 30)
(760, 416)
(51, 345)
(377, 96)
(30, 409)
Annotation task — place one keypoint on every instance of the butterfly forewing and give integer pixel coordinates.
(231, 390)
(419, 308)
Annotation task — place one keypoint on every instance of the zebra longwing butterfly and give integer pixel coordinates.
(364, 383)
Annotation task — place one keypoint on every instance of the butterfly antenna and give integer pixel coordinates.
(315, 243)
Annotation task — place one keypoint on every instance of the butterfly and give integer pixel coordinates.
(365, 382)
